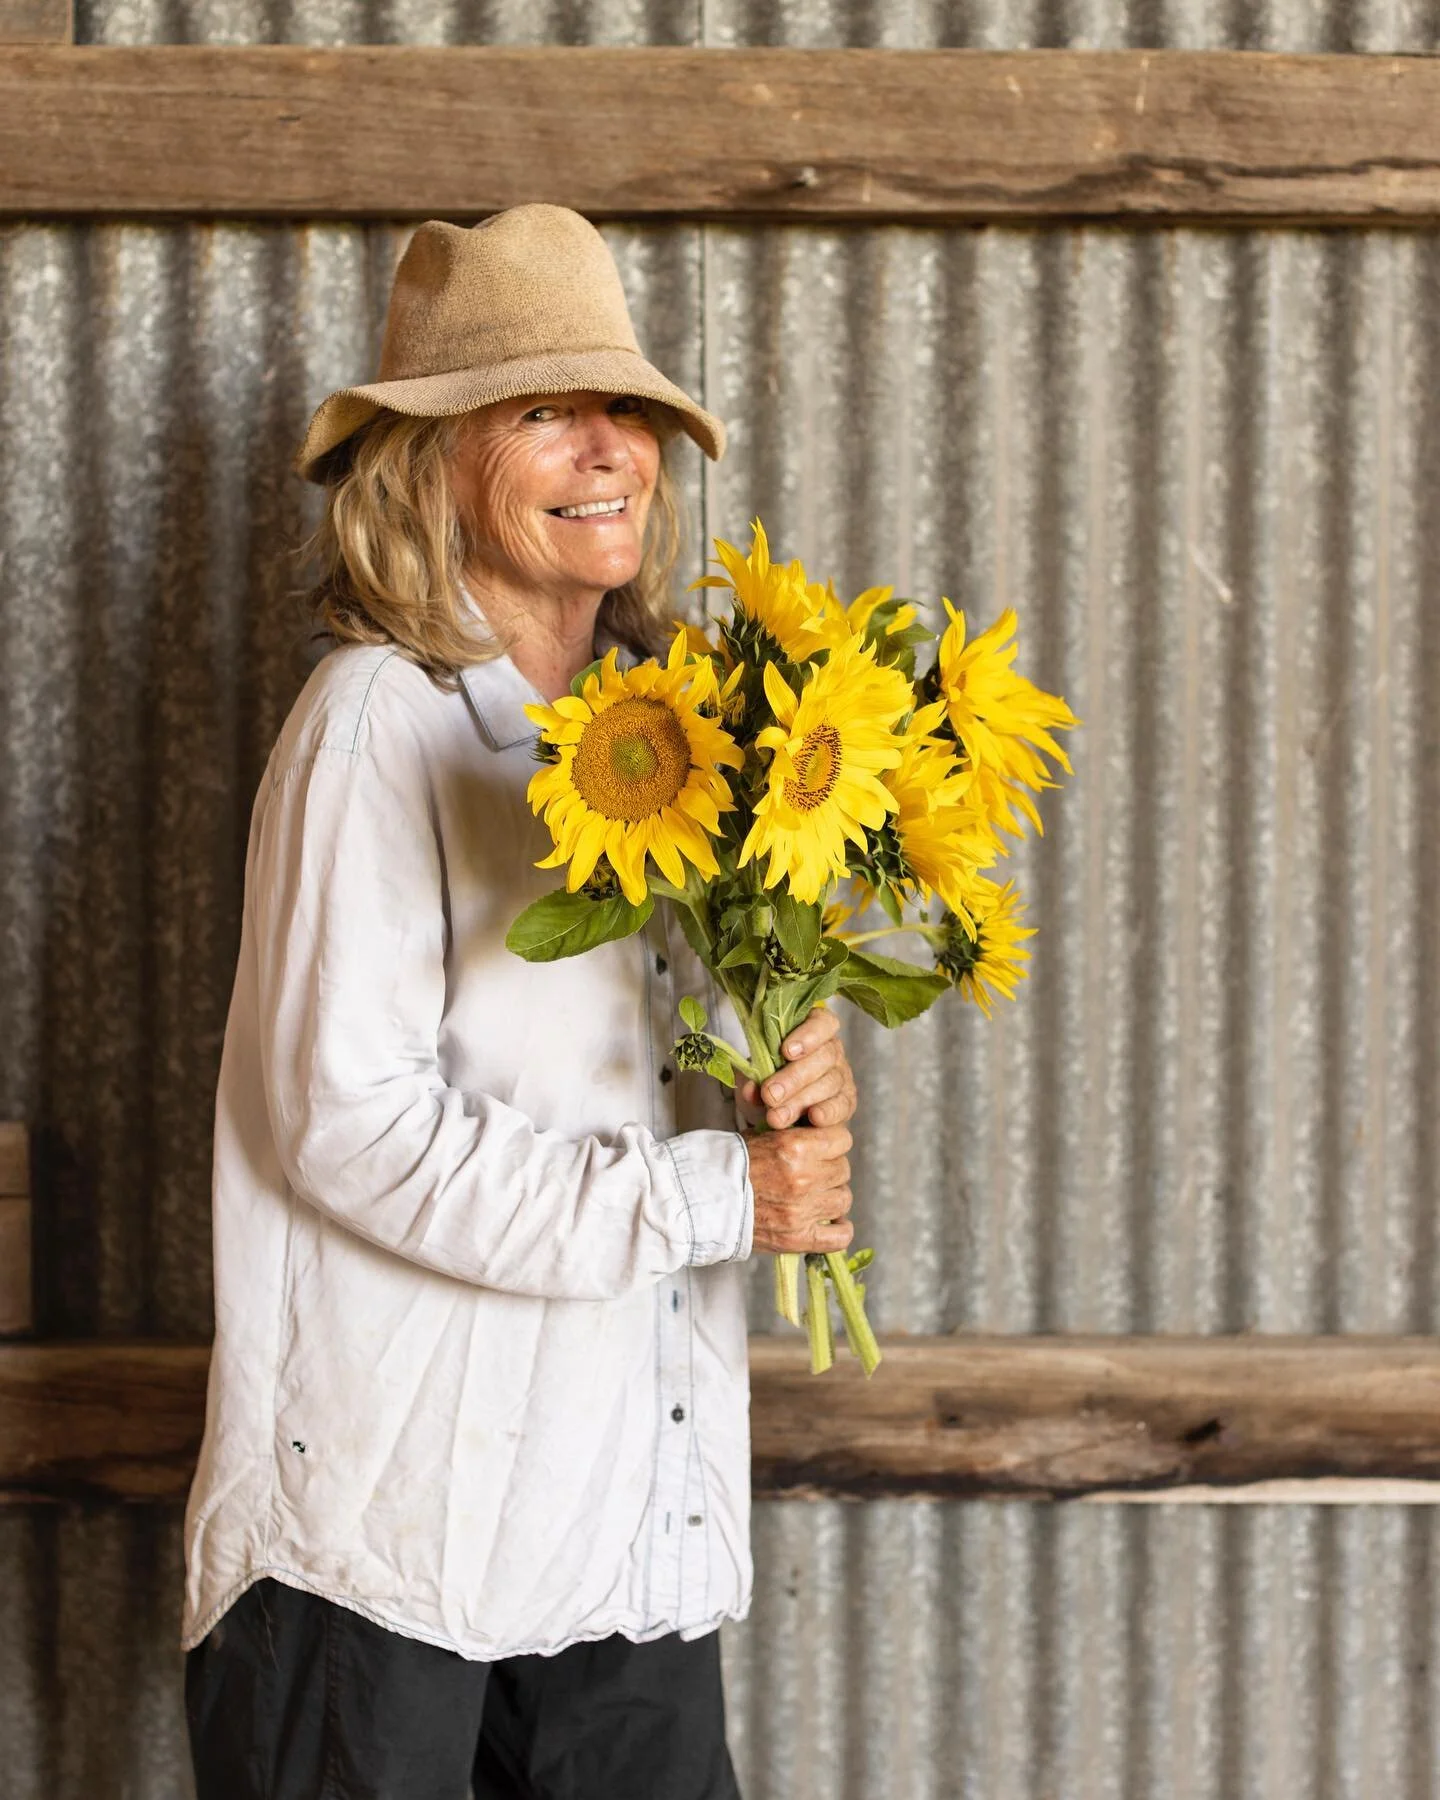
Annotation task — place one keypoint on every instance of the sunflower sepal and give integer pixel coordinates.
(699, 1049)
(563, 924)
(577, 686)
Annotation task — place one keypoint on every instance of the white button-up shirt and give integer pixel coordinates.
(480, 1367)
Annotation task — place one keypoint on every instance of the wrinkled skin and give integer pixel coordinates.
(800, 1170)
(532, 573)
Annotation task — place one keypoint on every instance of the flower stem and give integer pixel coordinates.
(764, 1063)
(852, 1309)
(854, 938)
(817, 1318)
(787, 1285)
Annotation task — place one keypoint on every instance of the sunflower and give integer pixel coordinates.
(637, 771)
(998, 715)
(776, 603)
(830, 746)
(990, 957)
(943, 836)
(858, 615)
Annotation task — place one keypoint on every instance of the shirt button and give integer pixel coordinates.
(696, 1519)
(677, 1413)
(666, 1072)
(660, 965)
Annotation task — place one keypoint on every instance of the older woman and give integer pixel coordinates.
(474, 1491)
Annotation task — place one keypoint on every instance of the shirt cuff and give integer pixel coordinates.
(712, 1169)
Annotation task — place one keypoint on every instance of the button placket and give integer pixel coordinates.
(669, 1588)
(660, 987)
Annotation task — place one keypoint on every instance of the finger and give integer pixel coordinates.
(835, 1111)
(826, 1204)
(819, 1028)
(788, 1081)
(809, 1152)
(833, 1237)
(826, 1085)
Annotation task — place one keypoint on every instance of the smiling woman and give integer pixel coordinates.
(474, 1485)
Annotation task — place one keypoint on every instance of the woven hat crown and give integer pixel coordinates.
(527, 302)
(532, 280)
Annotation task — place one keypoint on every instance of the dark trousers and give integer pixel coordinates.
(292, 1697)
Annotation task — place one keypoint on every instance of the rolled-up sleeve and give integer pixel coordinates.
(346, 906)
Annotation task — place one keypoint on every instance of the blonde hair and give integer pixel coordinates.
(391, 549)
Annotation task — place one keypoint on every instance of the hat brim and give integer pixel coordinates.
(462, 390)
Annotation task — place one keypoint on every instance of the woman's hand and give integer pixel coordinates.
(801, 1179)
(816, 1079)
(801, 1175)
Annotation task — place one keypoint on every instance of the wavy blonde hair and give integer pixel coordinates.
(391, 548)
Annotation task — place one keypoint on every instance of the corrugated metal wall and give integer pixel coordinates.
(1206, 467)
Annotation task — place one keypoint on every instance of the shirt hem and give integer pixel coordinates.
(627, 1625)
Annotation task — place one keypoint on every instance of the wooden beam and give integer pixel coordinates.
(36, 22)
(945, 1418)
(924, 136)
(1062, 1418)
(16, 1282)
(14, 1158)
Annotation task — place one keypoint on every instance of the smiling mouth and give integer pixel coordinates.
(592, 509)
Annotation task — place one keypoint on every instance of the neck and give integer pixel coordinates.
(551, 638)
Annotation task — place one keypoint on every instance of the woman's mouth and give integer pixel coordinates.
(590, 509)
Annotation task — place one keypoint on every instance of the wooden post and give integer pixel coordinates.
(16, 1287)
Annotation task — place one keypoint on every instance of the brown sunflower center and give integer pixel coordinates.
(632, 760)
(817, 769)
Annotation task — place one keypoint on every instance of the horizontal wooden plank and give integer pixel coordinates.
(1057, 1418)
(947, 1418)
(36, 22)
(923, 135)
(14, 1158)
(16, 1288)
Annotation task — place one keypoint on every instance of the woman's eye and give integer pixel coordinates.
(630, 403)
(535, 411)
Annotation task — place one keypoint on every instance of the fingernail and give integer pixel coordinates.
(777, 1090)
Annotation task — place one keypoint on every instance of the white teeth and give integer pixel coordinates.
(594, 506)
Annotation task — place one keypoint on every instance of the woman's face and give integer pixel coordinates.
(521, 468)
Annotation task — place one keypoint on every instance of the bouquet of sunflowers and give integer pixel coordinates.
(771, 782)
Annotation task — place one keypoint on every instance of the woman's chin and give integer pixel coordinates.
(605, 572)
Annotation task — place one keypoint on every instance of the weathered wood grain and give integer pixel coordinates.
(100, 1420)
(36, 21)
(16, 1286)
(14, 1158)
(961, 1417)
(922, 135)
(16, 1282)
(1058, 1418)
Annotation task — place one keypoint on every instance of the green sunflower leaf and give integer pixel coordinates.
(797, 927)
(721, 1068)
(563, 924)
(888, 990)
(747, 953)
(693, 1013)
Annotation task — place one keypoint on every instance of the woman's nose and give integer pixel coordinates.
(604, 441)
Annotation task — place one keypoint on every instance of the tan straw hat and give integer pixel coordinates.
(527, 302)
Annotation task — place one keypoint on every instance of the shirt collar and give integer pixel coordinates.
(499, 693)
